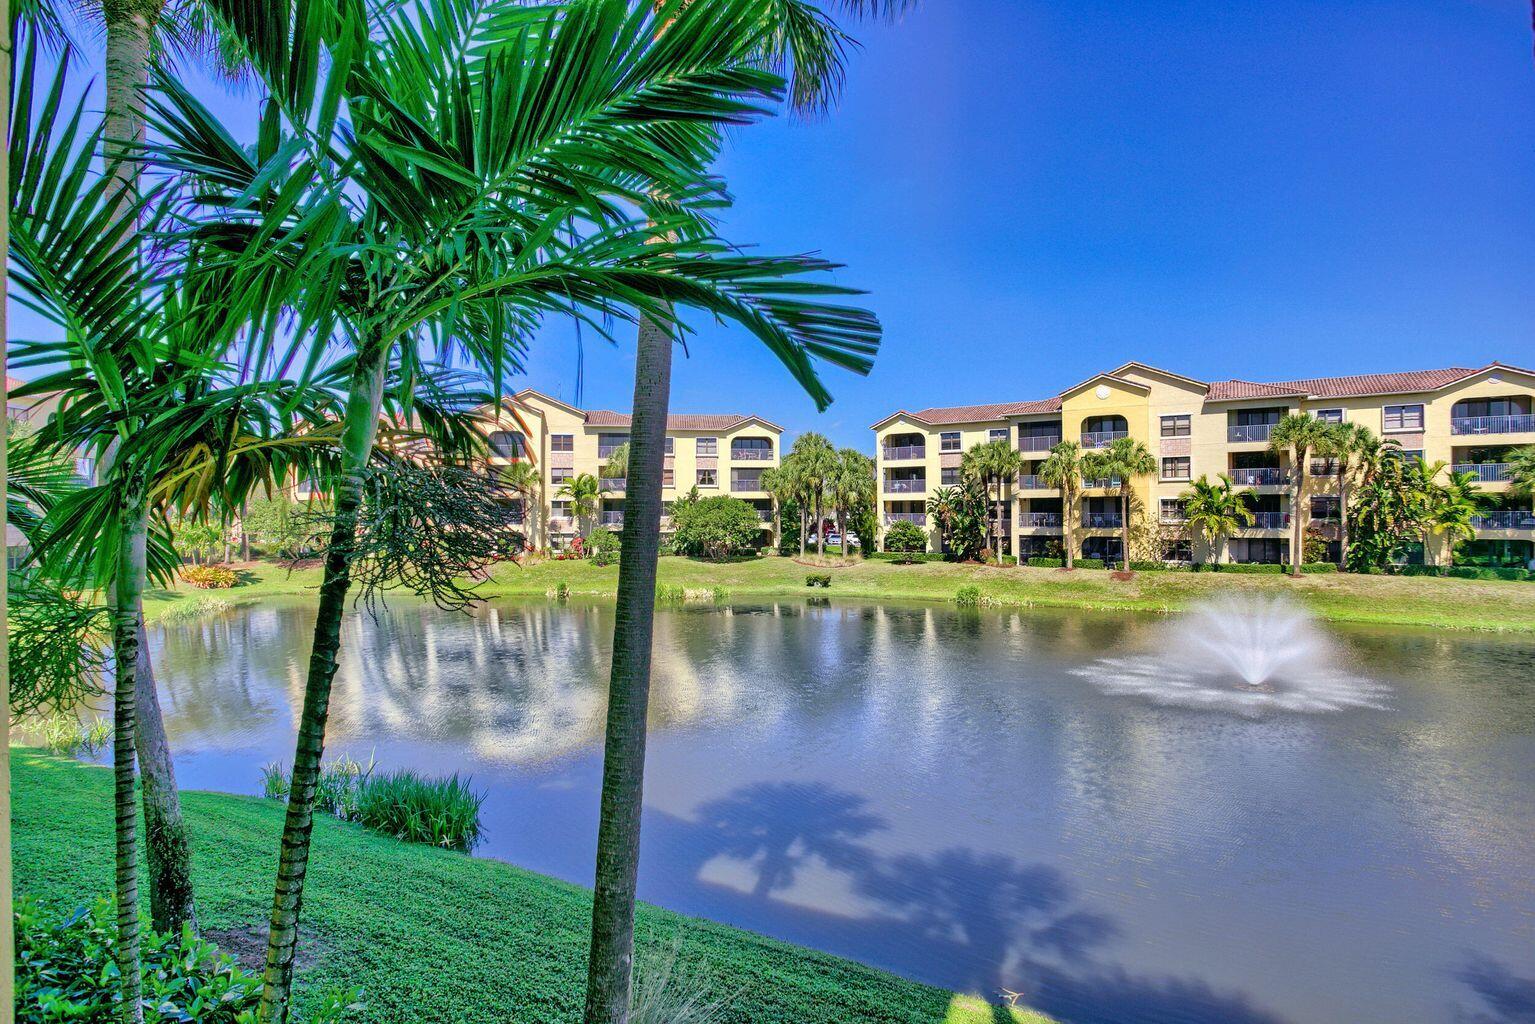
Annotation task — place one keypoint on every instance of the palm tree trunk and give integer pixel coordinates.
(997, 530)
(1295, 514)
(804, 527)
(611, 962)
(128, 589)
(166, 840)
(1068, 502)
(361, 425)
(820, 524)
(1342, 520)
(1124, 525)
(245, 537)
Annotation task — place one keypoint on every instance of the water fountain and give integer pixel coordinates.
(1243, 654)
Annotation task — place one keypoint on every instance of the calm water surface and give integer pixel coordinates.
(953, 797)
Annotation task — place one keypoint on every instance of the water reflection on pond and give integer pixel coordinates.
(942, 793)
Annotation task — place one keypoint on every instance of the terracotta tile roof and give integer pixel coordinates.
(12, 383)
(679, 421)
(1230, 390)
(1355, 386)
(944, 415)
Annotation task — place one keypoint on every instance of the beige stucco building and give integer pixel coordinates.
(1468, 418)
(717, 453)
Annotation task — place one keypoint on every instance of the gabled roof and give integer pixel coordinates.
(1356, 386)
(947, 415)
(680, 421)
(1105, 376)
(1148, 368)
(1233, 390)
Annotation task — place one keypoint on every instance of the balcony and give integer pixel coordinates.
(1032, 482)
(613, 520)
(1324, 467)
(905, 452)
(915, 518)
(1039, 520)
(917, 486)
(1513, 519)
(1103, 521)
(1486, 472)
(748, 480)
(1101, 438)
(605, 451)
(751, 455)
(614, 484)
(1041, 443)
(1249, 433)
(1261, 476)
(1102, 483)
(1270, 521)
(1479, 425)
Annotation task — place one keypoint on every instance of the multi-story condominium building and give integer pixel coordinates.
(717, 454)
(1468, 418)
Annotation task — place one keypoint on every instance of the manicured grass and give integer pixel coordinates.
(432, 935)
(1339, 597)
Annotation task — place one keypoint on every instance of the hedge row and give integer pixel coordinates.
(906, 556)
(1060, 563)
(1236, 567)
(1468, 572)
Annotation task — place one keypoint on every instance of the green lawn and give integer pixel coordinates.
(437, 936)
(1401, 600)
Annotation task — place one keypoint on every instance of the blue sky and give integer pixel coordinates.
(1034, 190)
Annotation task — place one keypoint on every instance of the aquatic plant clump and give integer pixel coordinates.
(402, 804)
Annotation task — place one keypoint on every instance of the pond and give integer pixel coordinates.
(1078, 806)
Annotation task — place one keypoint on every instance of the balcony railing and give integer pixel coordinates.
(751, 481)
(1100, 483)
(899, 452)
(917, 486)
(613, 519)
(1101, 438)
(1514, 519)
(1245, 433)
(1039, 443)
(613, 483)
(1039, 519)
(1103, 520)
(751, 455)
(1324, 467)
(1270, 520)
(1523, 424)
(605, 451)
(1486, 472)
(1032, 482)
(1260, 476)
(916, 518)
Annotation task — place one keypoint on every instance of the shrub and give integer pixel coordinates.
(604, 546)
(1251, 568)
(1468, 572)
(408, 806)
(209, 577)
(1059, 563)
(904, 538)
(715, 527)
(670, 593)
(905, 557)
(67, 736)
(818, 579)
(968, 596)
(1318, 567)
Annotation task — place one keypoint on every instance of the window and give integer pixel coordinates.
(1324, 507)
(708, 478)
(948, 476)
(559, 476)
(751, 449)
(607, 443)
(1330, 415)
(1174, 510)
(1176, 467)
(746, 479)
(1412, 454)
(1176, 426)
(562, 442)
(948, 441)
(508, 444)
(997, 434)
(668, 477)
(16, 556)
(671, 446)
(1177, 551)
(559, 510)
(1404, 417)
(85, 470)
(707, 446)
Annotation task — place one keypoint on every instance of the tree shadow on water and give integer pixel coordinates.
(1502, 996)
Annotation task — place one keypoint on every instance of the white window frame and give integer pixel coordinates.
(947, 436)
(708, 447)
(1186, 419)
(1401, 428)
(1329, 415)
(714, 483)
(1188, 475)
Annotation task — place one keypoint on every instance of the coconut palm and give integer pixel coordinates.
(1355, 450)
(1216, 511)
(525, 482)
(992, 465)
(1455, 506)
(1062, 469)
(852, 487)
(816, 466)
(1129, 460)
(584, 492)
(1521, 470)
(1298, 436)
(778, 485)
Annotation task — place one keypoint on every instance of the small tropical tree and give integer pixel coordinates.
(715, 527)
(960, 515)
(1354, 448)
(1298, 436)
(1455, 506)
(852, 493)
(1129, 460)
(1062, 469)
(904, 537)
(1216, 511)
(584, 492)
(1521, 470)
(815, 462)
(992, 465)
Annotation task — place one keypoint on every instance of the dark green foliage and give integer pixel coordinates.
(280, 528)
(788, 527)
(904, 537)
(1159, 567)
(968, 596)
(961, 515)
(428, 934)
(818, 579)
(55, 642)
(716, 527)
(402, 804)
(604, 547)
(1468, 572)
(1319, 568)
(1059, 563)
(907, 557)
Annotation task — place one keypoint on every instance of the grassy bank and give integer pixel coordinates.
(432, 935)
(1398, 600)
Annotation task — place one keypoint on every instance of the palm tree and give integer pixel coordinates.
(525, 481)
(519, 181)
(1216, 511)
(617, 466)
(1455, 506)
(852, 487)
(1521, 470)
(1298, 436)
(993, 463)
(1355, 449)
(793, 35)
(816, 465)
(584, 492)
(1062, 469)
(779, 486)
(1127, 459)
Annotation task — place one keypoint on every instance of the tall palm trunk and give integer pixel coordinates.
(1297, 513)
(1068, 506)
(127, 593)
(996, 541)
(130, 28)
(820, 526)
(611, 962)
(1343, 515)
(362, 409)
(1124, 525)
(804, 525)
